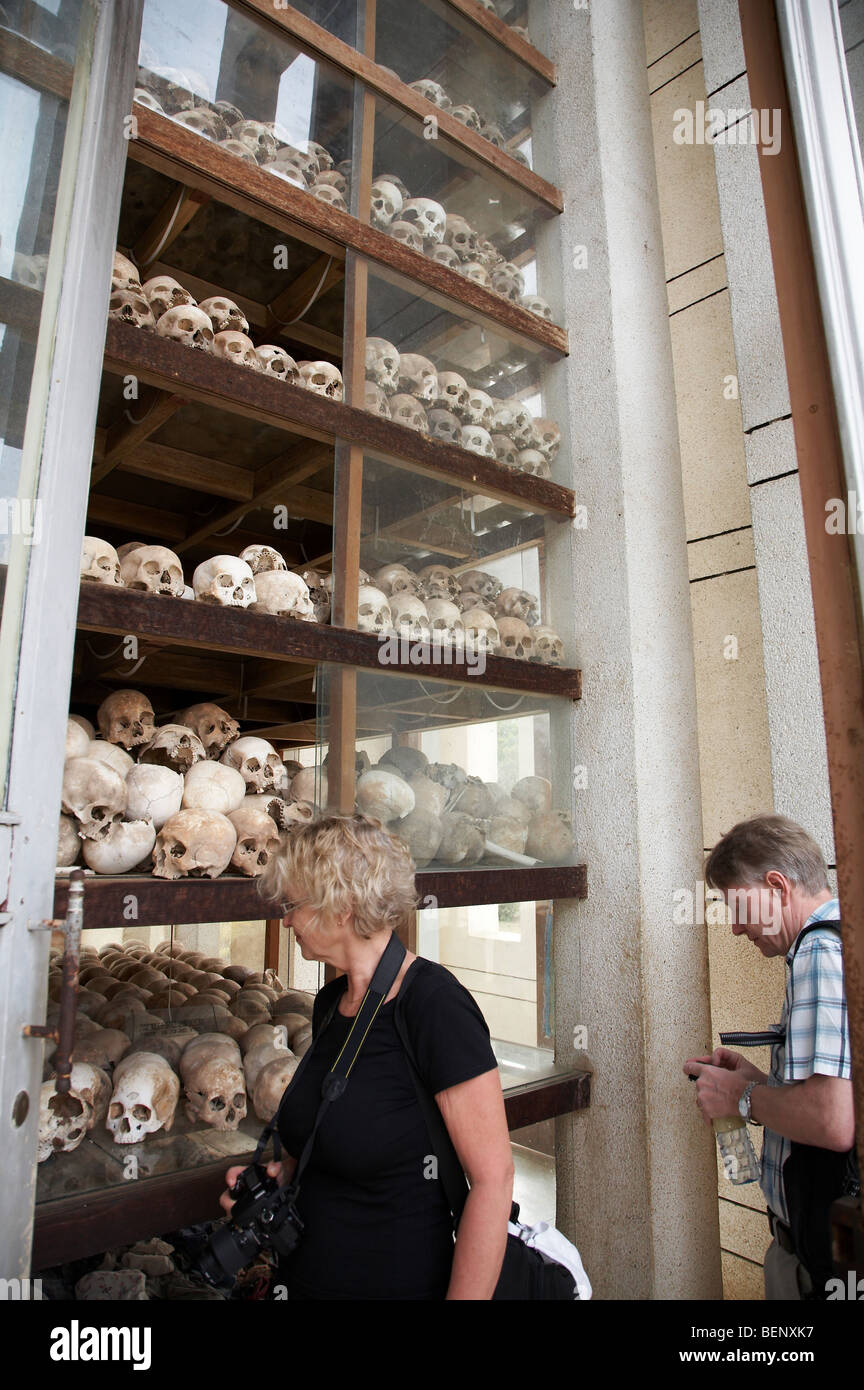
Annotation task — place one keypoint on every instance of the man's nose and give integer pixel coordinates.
(738, 928)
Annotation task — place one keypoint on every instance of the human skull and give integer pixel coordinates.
(397, 578)
(163, 293)
(257, 840)
(478, 440)
(453, 394)
(550, 838)
(373, 610)
(326, 193)
(275, 361)
(213, 725)
(479, 582)
(476, 271)
(100, 563)
(384, 795)
(206, 123)
(505, 450)
(445, 622)
(418, 377)
(518, 603)
(443, 424)
(284, 595)
(382, 364)
(145, 1097)
(224, 314)
(124, 274)
(112, 754)
(270, 1084)
(309, 785)
(407, 233)
(334, 179)
(396, 181)
(195, 843)
(479, 409)
(437, 581)
(261, 558)
(428, 217)
(445, 255)
(462, 842)
(241, 150)
(481, 631)
(322, 378)
(517, 639)
(532, 461)
(225, 580)
(153, 568)
(508, 280)
(493, 133)
(261, 141)
(130, 306)
(432, 92)
(215, 1089)
(294, 162)
(173, 746)
(410, 617)
(467, 116)
(126, 717)
(63, 1120)
(546, 436)
(533, 792)
(95, 794)
(125, 845)
(188, 325)
(257, 762)
(488, 253)
(68, 842)
(520, 424)
(375, 400)
(407, 410)
(153, 793)
(460, 237)
(77, 740)
(286, 815)
(535, 305)
(211, 786)
(322, 156)
(549, 649)
(237, 348)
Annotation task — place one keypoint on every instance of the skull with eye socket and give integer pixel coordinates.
(213, 725)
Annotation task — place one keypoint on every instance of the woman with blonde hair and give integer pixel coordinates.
(377, 1222)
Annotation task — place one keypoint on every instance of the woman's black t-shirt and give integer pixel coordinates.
(377, 1223)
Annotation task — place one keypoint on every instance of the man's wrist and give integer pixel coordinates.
(745, 1104)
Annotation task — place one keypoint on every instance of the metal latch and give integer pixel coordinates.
(64, 1033)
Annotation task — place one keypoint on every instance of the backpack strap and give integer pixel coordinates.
(830, 924)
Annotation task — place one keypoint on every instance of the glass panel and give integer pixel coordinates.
(491, 227)
(450, 552)
(35, 79)
(468, 777)
(852, 28)
(448, 59)
(241, 84)
(435, 370)
(534, 1183)
(124, 983)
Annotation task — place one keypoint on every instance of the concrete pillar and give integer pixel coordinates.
(637, 1172)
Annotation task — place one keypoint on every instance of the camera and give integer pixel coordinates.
(263, 1216)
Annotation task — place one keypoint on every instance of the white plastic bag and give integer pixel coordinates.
(550, 1243)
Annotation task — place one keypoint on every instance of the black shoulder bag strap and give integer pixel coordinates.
(450, 1170)
(336, 1079)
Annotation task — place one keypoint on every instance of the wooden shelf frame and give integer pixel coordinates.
(187, 374)
(178, 153)
(479, 152)
(71, 1228)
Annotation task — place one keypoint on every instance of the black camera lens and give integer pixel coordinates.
(227, 1251)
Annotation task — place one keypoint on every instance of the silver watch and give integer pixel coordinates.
(744, 1103)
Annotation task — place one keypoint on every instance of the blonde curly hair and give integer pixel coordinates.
(345, 863)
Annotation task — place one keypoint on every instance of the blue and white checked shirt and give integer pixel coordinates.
(817, 1035)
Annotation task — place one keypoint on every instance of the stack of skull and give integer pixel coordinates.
(216, 325)
(191, 797)
(469, 609)
(408, 388)
(154, 1025)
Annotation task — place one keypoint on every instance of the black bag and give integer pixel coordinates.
(526, 1274)
(813, 1179)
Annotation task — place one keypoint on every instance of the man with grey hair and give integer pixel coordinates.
(773, 878)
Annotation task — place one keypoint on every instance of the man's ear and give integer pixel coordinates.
(780, 883)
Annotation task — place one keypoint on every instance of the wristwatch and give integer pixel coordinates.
(744, 1103)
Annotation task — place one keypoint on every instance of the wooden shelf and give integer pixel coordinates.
(159, 902)
(172, 149)
(71, 1228)
(502, 33)
(177, 621)
(189, 374)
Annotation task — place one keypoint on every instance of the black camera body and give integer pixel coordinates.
(263, 1217)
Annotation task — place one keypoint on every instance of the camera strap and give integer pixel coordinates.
(336, 1079)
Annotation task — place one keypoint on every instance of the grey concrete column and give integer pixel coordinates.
(637, 1172)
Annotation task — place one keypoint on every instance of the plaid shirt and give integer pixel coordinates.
(817, 1035)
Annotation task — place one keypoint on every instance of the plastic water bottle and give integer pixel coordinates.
(736, 1149)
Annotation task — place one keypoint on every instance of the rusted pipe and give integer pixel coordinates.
(69, 987)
